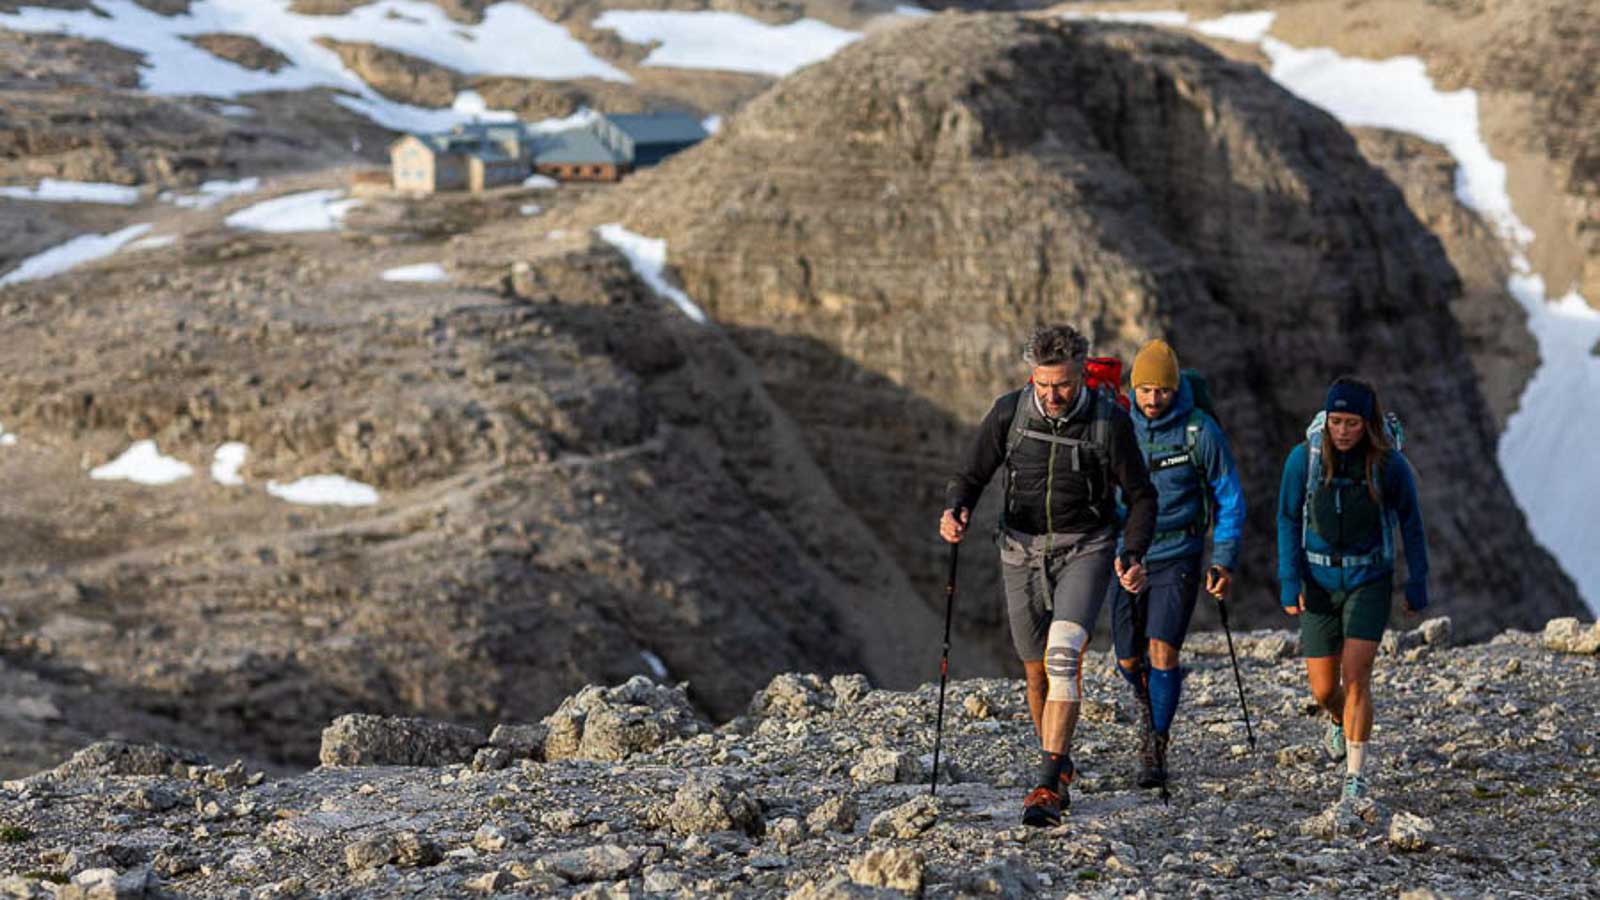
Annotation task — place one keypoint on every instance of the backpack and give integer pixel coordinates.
(1106, 372)
(1397, 438)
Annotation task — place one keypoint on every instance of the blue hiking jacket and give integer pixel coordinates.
(1399, 492)
(1180, 487)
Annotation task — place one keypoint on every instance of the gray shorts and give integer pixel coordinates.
(1052, 578)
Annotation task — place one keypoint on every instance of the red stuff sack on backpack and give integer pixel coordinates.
(1105, 372)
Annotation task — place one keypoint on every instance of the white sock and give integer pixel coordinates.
(1355, 755)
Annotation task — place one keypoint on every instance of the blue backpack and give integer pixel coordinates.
(1385, 554)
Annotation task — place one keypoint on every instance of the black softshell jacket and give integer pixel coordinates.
(1043, 494)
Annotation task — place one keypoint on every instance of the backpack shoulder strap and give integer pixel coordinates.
(1102, 408)
(1191, 445)
(1019, 422)
(1313, 469)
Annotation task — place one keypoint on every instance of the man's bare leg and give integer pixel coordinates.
(1037, 687)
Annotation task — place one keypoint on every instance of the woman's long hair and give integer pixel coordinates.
(1374, 441)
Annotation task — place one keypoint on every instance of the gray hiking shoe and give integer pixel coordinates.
(1333, 741)
(1355, 786)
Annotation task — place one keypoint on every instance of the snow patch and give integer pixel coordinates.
(63, 257)
(658, 669)
(727, 41)
(530, 209)
(226, 463)
(712, 124)
(7, 439)
(430, 272)
(52, 190)
(912, 12)
(324, 490)
(143, 463)
(540, 182)
(155, 242)
(649, 261)
(1249, 28)
(1137, 17)
(211, 193)
(308, 211)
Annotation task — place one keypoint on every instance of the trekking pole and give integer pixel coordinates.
(1222, 610)
(944, 666)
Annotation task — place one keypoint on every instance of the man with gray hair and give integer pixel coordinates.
(1066, 448)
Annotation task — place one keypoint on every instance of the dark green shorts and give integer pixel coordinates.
(1332, 616)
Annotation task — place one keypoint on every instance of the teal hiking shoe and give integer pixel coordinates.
(1355, 786)
(1333, 741)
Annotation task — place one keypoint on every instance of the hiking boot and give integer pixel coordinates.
(1355, 786)
(1154, 770)
(1147, 753)
(1333, 741)
(1042, 809)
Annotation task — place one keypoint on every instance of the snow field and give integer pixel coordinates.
(512, 40)
(727, 41)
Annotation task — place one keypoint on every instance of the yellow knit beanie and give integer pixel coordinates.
(1156, 364)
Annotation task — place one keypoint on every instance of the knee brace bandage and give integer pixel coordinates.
(1063, 661)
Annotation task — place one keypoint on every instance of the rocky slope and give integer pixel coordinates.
(1485, 781)
(576, 481)
(917, 202)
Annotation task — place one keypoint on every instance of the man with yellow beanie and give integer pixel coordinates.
(1197, 484)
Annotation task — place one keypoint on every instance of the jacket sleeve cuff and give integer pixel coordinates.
(1417, 596)
(1288, 594)
(1226, 555)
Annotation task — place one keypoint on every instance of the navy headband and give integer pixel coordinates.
(1350, 398)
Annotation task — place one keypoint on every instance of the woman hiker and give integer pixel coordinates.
(1347, 495)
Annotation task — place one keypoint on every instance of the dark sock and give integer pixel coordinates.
(1135, 678)
(1050, 766)
(1166, 685)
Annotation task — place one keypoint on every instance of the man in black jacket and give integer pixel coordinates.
(1065, 448)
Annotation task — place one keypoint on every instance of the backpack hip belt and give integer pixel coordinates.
(1339, 561)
